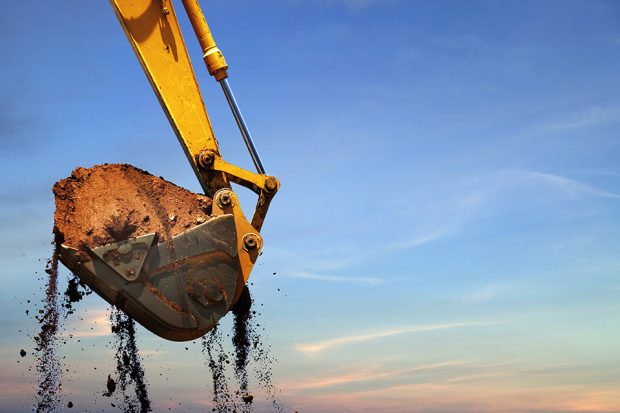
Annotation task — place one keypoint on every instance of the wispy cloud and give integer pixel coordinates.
(514, 386)
(96, 325)
(451, 221)
(334, 278)
(569, 186)
(319, 259)
(434, 235)
(482, 295)
(445, 214)
(353, 5)
(372, 373)
(586, 118)
(328, 344)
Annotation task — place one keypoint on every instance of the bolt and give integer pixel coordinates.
(124, 248)
(225, 199)
(131, 272)
(206, 159)
(137, 256)
(250, 242)
(166, 11)
(214, 294)
(271, 184)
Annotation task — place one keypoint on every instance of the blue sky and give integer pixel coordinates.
(446, 236)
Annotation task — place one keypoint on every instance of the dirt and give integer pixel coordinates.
(75, 292)
(48, 364)
(130, 376)
(242, 339)
(112, 202)
(248, 346)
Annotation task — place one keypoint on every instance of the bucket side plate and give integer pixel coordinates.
(178, 289)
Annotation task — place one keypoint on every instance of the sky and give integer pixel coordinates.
(446, 234)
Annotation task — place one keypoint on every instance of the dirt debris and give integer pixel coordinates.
(48, 366)
(248, 345)
(242, 338)
(129, 373)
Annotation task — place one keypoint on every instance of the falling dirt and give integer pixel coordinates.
(74, 293)
(241, 339)
(48, 364)
(247, 342)
(130, 377)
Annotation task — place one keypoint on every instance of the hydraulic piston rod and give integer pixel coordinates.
(230, 97)
(217, 67)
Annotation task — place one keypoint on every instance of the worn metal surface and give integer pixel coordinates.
(126, 257)
(181, 287)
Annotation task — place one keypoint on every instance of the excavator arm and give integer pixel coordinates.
(181, 288)
(153, 31)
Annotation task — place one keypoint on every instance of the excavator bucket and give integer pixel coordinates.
(173, 260)
(178, 285)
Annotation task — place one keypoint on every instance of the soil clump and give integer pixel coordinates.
(113, 202)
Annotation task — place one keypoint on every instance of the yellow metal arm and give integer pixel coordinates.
(154, 33)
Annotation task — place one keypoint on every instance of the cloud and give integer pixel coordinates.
(353, 5)
(515, 386)
(334, 278)
(373, 373)
(590, 117)
(434, 235)
(451, 220)
(470, 397)
(483, 295)
(443, 215)
(328, 344)
(97, 324)
(569, 186)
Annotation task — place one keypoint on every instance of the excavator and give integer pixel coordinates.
(213, 260)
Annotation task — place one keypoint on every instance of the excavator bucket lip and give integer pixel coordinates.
(178, 289)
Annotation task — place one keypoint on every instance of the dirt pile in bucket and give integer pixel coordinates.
(112, 202)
